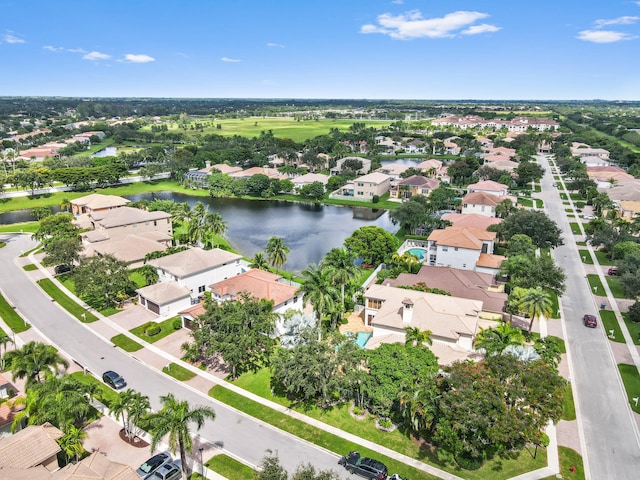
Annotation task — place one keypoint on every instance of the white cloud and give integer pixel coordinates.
(413, 25)
(626, 20)
(96, 56)
(138, 58)
(482, 28)
(230, 60)
(9, 37)
(603, 36)
(397, 2)
(275, 45)
(53, 49)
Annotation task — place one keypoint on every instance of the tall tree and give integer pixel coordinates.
(102, 281)
(132, 407)
(259, 261)
(71, 443)
(416, 337)
(174, 419)
(494, 340)
(277, 252)
(217, 226)
(34, 358)
(318, 289)
(373, 244)
(342, 268)
(536, 303)
(536, 224)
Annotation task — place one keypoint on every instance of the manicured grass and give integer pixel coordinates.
(104, 394)
(338, 416)
(531, 202)
(28, 252)
(634, 328)
(595, 284)
(13, 320)
(569, 458)
(178, 372)
(575, 228)
(166, 328)
(30, 267)
(577, 196)
(25, 227)
(586, 257)
(563, 196)
(554, 304)
(3, 244)
(138, 279)
(615, 286)
(65, 302)
(230, 468)
(602, 258)
(560, 342)
(568, 405)
(125, 343)
(631, 380)
(581, 244)
(107, 312)
(609, 322)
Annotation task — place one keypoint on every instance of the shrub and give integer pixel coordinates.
(177, 324)
(634, 312)
(376, 199)
(385, 423)
(153, 329)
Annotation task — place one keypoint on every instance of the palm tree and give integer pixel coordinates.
(132, 406)
(32, 359)
(260, 262)
(65, 204)
(71, 442)
(342, 268)
(536, 303)
(173, 420)
(4, 340)
(218, 227)
(494, 340)
(318, 289)
(277, 252)
(416, 337)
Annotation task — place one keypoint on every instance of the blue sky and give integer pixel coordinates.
(394, 49)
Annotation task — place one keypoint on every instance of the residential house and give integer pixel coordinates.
(483, 203)
(473, 220)
(628, 190)
(490, 187)
(416, 146)
(451, 320)
(463, 247)
(590, 155)
(412, 186)
(250, 172)
(96, 202)
(502, 151)
(48, 150)
(459, 283)
(431, 167)
(366, 165)
(394, 170)
(387, 145)
(629, 209)
(308, 179)
(96, 467)
(503, 165)
(33, 446)
(450, 147)
(517, 124)
(183, 278)
(259, 284)
(607, 176)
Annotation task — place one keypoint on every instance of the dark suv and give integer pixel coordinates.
(365, 467)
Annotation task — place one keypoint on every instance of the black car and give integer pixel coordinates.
(364, 466)
(147, 468)
(62, 269)
(113, 379)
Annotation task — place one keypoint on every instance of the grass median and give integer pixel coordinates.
(631, 380)
(125, 343)
(13, 320)
(65, 302)
(178, 372)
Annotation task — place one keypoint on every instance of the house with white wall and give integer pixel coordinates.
(483, 203)
(490, 187)
(463, 247)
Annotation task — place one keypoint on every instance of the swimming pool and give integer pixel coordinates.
(418, 252)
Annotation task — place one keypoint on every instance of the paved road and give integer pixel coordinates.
(610, 433)
(239, 434)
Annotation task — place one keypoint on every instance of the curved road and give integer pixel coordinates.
(609, 428)
(239, 434)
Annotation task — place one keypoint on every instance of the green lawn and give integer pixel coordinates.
(65, 302)
(581, 244)
(26, 227)
(104, 394)
(585, 256)
(178, 372)
(602, 258)
(634, 328)
(631, 381)
(595, 284)
(230, 468)
(138, 279)
(569, 459)
(166, 328)
(283, 127)
(13, 320)
(339, 416)
(609, 322)
(125, 343)
(575, 228)
(30, 267)
(568, 405)
(615, 286)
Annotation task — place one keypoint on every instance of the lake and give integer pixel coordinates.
(309, 230)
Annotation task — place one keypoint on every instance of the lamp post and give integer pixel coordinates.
(201, 464)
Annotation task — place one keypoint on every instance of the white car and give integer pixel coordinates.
(589, 217)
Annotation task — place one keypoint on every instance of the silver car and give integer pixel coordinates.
(151, 465)
(168, 471)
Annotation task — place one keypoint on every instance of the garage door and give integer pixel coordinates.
(154, 307)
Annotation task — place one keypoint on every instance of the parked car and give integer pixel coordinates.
(589, 217)
(151, 465)
(59, 269)
(590, 321)
(613, 271)
(113, 379)
(168, 471)
(364, 466)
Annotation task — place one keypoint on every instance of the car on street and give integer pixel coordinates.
(613, 271)
(168, 471)
(590, 321)
(113, 379)
(152, 464)
(555, 184)
(364, 466)
(589, 217)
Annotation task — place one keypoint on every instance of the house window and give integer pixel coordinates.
(465, 205)
(455, 249)
(374, 303)
(445, 249)
(155, 223)
(201, 288)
